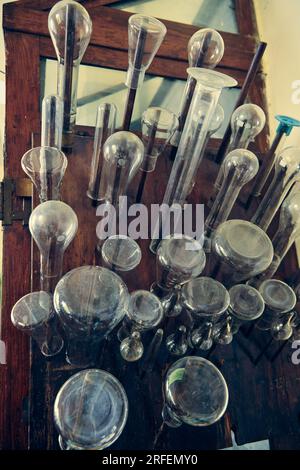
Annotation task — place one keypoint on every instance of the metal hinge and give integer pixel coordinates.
(9, 189)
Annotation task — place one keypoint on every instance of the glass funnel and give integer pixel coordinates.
(90, 302)
(105, 127)
(287, 172)
(52, 121)
(247, 122)
(70, 29)
(195, 393)
(121, 254)
(246, 305)
(90, 411)
(243, 249)
(279, 299)
(207, 301)
(53, 225)
(178, 260)
(46, 167)
(194, 136)
(34, 315)
(123, 153)
(145, 35)
(145, 313)
(240, 167)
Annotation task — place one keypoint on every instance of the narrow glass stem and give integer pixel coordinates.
(170, 418)
(52, 122)
(67, 90)
(51, 268)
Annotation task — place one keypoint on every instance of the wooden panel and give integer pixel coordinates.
(110, 30)
(22, 117)
(116, 59)
(47, 4)
(246, 18)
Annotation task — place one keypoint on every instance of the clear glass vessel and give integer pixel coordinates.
(123, 153)
(53, 225)
(70, 29)
(177, 343)
(90, 411)
(152, 352)
(194, 136)
(279, 300)
(145, 313)
(52, 121)
(240, 167)
(282, 329)
(34, 315)
(246, 305)
(121, 254)
(207, 301)
(287, 172)
(195, 393)
(205, 50)
(287, 233)
(178, 260)
(46, 167)
(90, 302)
(243, 249)
(105, 127)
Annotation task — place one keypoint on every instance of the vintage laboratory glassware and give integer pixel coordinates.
(287, 233)
(240, 167)
(246, 305)
(205, 50)
(243, 249)
(247, 122)
(178, 259)
(207, 301)
(70, 29)
(152, 353)
(279, 299)
(52, 121)
(105, 127)
(53, 225)
(46, 167)
(158, 126)
(194, 137)
(195, 393)
(145, 35)
(177, 343)
(145, 313)
(90, 302)
(123, 153)
(34, 315)
(90, 411)
(121, 254)
(287, 172)
(282, 329)
(224, 333)
(284, 129)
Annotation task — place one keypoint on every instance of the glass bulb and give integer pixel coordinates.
(195, 393)
(247, 122)
(287, 172)
(70, 29)
(53, 225)
(46, 167)
(34, 315)
(145, 35)
(205, 49)
(123, 153)
(246, 304)
(90, 411)
(158, 126)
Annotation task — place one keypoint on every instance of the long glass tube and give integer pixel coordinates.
(203, 106)
(52, 121)
(70, 28)
(105, 127)
(287, 172)
(247, 122)
(53, 225)
(240, 168)
(287, 233)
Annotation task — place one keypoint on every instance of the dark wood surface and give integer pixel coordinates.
(264, 399)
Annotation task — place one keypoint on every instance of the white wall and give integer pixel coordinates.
(278, 23)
